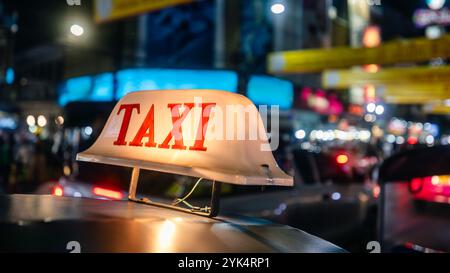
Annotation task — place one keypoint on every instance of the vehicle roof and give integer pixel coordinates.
(419, 162)
(44, 223)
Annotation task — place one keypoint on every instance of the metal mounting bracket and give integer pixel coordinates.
(209, 211)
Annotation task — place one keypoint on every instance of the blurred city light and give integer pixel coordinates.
(300, 134)
(336, 196)
(371, 107)
(31, 121)
(412, 140)
(41, 121)
(260, 91)
(390, 138)
(88, 130)
(59, 120)
(400, 140)
(136, 79)
(332, 12)
(32, 129)
(370, 118)
(58, 191)
(379, 110)
(371, 36)
(10, 75)
(76, 30)
(111, 194)
(14, 28)
(435, 4)
(433, 32)
(277, 8)
(342, 159)
(372, 68)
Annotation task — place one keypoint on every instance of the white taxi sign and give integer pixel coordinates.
(200, 133)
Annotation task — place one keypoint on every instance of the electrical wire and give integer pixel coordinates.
(183, 200)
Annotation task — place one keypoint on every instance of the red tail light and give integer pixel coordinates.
(416, 185)
(412, 140)
(342, 159)
(431, 188)
(58, 190)
(111, 194)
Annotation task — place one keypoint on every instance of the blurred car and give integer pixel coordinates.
(415, 209)
(433, 189)
(43, 223)
(329, 198)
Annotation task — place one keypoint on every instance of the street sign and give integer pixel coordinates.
(341, 79)
(316, 60)
(108, 10)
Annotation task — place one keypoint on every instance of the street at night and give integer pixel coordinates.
(224, 126)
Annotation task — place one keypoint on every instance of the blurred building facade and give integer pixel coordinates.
(209, 34)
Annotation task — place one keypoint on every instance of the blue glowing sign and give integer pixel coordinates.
(75, 89)
(9, 77)
(163, 79)
(87, 88)
(102, 87)
(266, 90)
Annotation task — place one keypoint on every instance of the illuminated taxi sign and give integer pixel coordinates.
(211, 134)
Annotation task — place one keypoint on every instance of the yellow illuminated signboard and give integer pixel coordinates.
(316, 60)
(341, 79)
(422, 99)
(437, 109)
(414, 93)
(107, 10)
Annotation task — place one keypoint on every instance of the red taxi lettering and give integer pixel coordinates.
(201, 131)
(147, 129)
(126, 121)
(176, 131)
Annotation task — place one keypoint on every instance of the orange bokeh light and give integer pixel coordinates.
(58, 191)
(107, 193)
(342, 159)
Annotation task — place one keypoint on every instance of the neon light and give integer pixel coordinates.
(141, 79)
(10, 75)
(75, 89)
(102, 87)
(265, 90)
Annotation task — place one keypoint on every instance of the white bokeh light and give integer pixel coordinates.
(77, 30)
(435, 4)
(41, 121)
(300, 134)
(379, 110)
(277, 8)
(31, 121)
